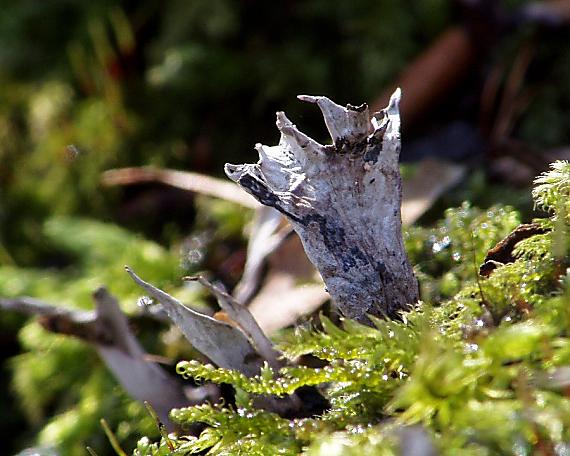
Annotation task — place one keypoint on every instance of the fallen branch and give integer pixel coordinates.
(192, 182)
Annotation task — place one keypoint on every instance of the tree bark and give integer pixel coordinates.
(344, 202)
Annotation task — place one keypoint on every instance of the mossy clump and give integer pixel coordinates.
(479, 367)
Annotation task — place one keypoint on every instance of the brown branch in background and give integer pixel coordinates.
(183, 180)
(488, 98)
(81, 324)
(433, 74)
(502, 253)
(513, 100)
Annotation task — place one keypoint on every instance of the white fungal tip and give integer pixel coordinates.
(283, 120)
(394, 104)
(231, 170)
(308, 98)
(262, 152)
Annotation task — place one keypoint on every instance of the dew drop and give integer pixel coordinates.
(471, 348)
(144, 301)
(438, 246)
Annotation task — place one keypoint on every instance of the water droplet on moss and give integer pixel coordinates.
(471, 348)
(438, 246)
(144, 301)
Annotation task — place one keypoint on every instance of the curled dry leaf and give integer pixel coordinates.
(226, 345)
(245, 320)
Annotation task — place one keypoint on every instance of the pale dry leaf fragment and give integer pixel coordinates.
(143, 380)
(245, 320)
(281, 302)
(431, 179)
(287, 291)
(291, 288)
(225, 345)
(267, 234)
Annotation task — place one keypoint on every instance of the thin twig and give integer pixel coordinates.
(192, 182)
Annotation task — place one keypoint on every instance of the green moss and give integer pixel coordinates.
(474, 371)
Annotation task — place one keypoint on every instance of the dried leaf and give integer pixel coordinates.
(291, 288)
(225, 345)
(145, 381)
(246, 322)
(267, 234)
(431, 179)
(281, 301)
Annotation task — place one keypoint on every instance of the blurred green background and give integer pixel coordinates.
(87, 86)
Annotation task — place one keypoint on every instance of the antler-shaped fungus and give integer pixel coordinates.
(344, 202)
